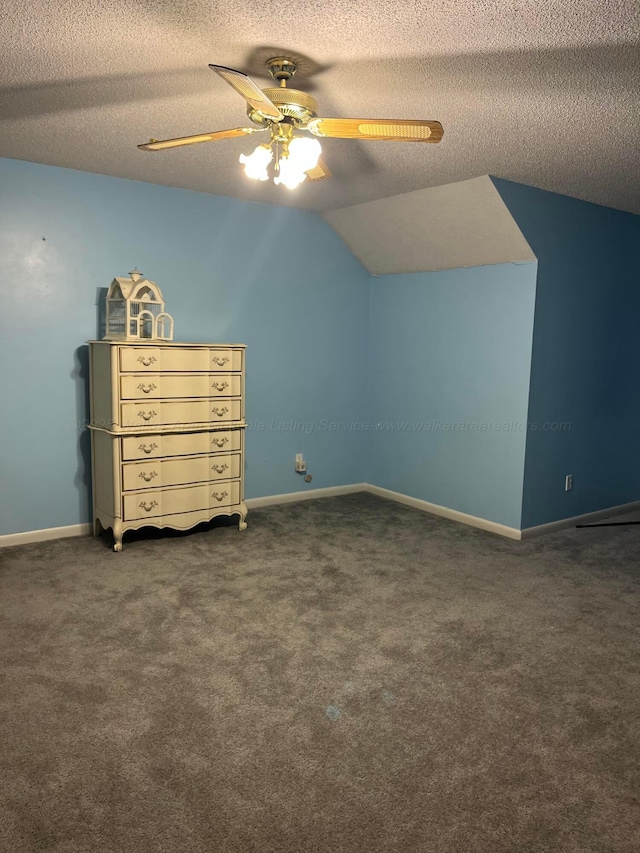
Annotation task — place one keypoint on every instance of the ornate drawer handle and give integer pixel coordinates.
(220, 361)
(147, 507)
(147, 361)
(220, 442)
(147, 448)
(147, 388)
(220, 386)
(219, 496)
(220, 468)
(220, 412)
(146, 416)
(147, 477)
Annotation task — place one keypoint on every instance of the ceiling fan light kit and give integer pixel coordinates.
(282, 111)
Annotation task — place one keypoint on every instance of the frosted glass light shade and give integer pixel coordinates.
(304, 153)
(255, 164)
(290, 174)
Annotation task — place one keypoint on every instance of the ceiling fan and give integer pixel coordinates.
(283, 112)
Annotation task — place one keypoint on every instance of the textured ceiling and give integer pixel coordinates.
(544, 92)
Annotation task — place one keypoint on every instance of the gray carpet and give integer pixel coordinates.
(346, 675)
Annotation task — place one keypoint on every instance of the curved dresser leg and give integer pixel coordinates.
(117, 535)
(242, 524)
(97, 527)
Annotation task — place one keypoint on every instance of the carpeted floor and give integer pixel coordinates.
(347, 674)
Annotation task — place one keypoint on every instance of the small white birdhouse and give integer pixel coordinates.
(135, 310)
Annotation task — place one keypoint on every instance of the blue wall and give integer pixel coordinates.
(586, 354)
(276, 279)
(416, 383)
(448, 386)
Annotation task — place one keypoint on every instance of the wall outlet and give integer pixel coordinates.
(568, 482)
(301, 465)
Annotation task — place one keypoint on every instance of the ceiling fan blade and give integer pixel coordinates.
(319, 172)
(249, 90)
(159, 145)
(400, 130)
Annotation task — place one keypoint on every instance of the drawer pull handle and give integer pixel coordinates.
(147, 448)
(147, 361)
(220, 442)
(146, 416)
(147, 477)
(220, 468)
(220, 386)
(146, 389)
(219, 496)
(220, 412)
(147, 507)
(220, 361)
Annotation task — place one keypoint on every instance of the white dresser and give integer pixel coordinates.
(167, 434)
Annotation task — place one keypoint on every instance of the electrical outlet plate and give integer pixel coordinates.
(568, 482)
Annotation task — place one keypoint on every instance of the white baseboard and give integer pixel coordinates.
(585, 518)
(501, 529)
(445, 512)
(253, 503)
(310, 495)
(30, 536)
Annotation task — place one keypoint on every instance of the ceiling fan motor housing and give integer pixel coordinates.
(292, 103)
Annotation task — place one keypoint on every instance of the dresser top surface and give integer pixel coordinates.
(155, 343)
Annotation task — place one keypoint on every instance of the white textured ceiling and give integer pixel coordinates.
(544, 92)
(465, 224)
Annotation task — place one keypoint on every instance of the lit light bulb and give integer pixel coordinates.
(289, 174)
(304, 152)
(255, 164)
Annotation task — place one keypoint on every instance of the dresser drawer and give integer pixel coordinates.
(163, 413)
(149, 359)
(158, 473)
(180, 444)
(156, 386)
(153, 503)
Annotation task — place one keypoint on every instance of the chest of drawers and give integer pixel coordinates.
(167, 434)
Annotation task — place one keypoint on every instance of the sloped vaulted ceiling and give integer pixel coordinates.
(543, 92)
(459, 225)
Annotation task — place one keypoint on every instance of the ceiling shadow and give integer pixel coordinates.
(577, 70)
(308, 69)
(93, 92)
